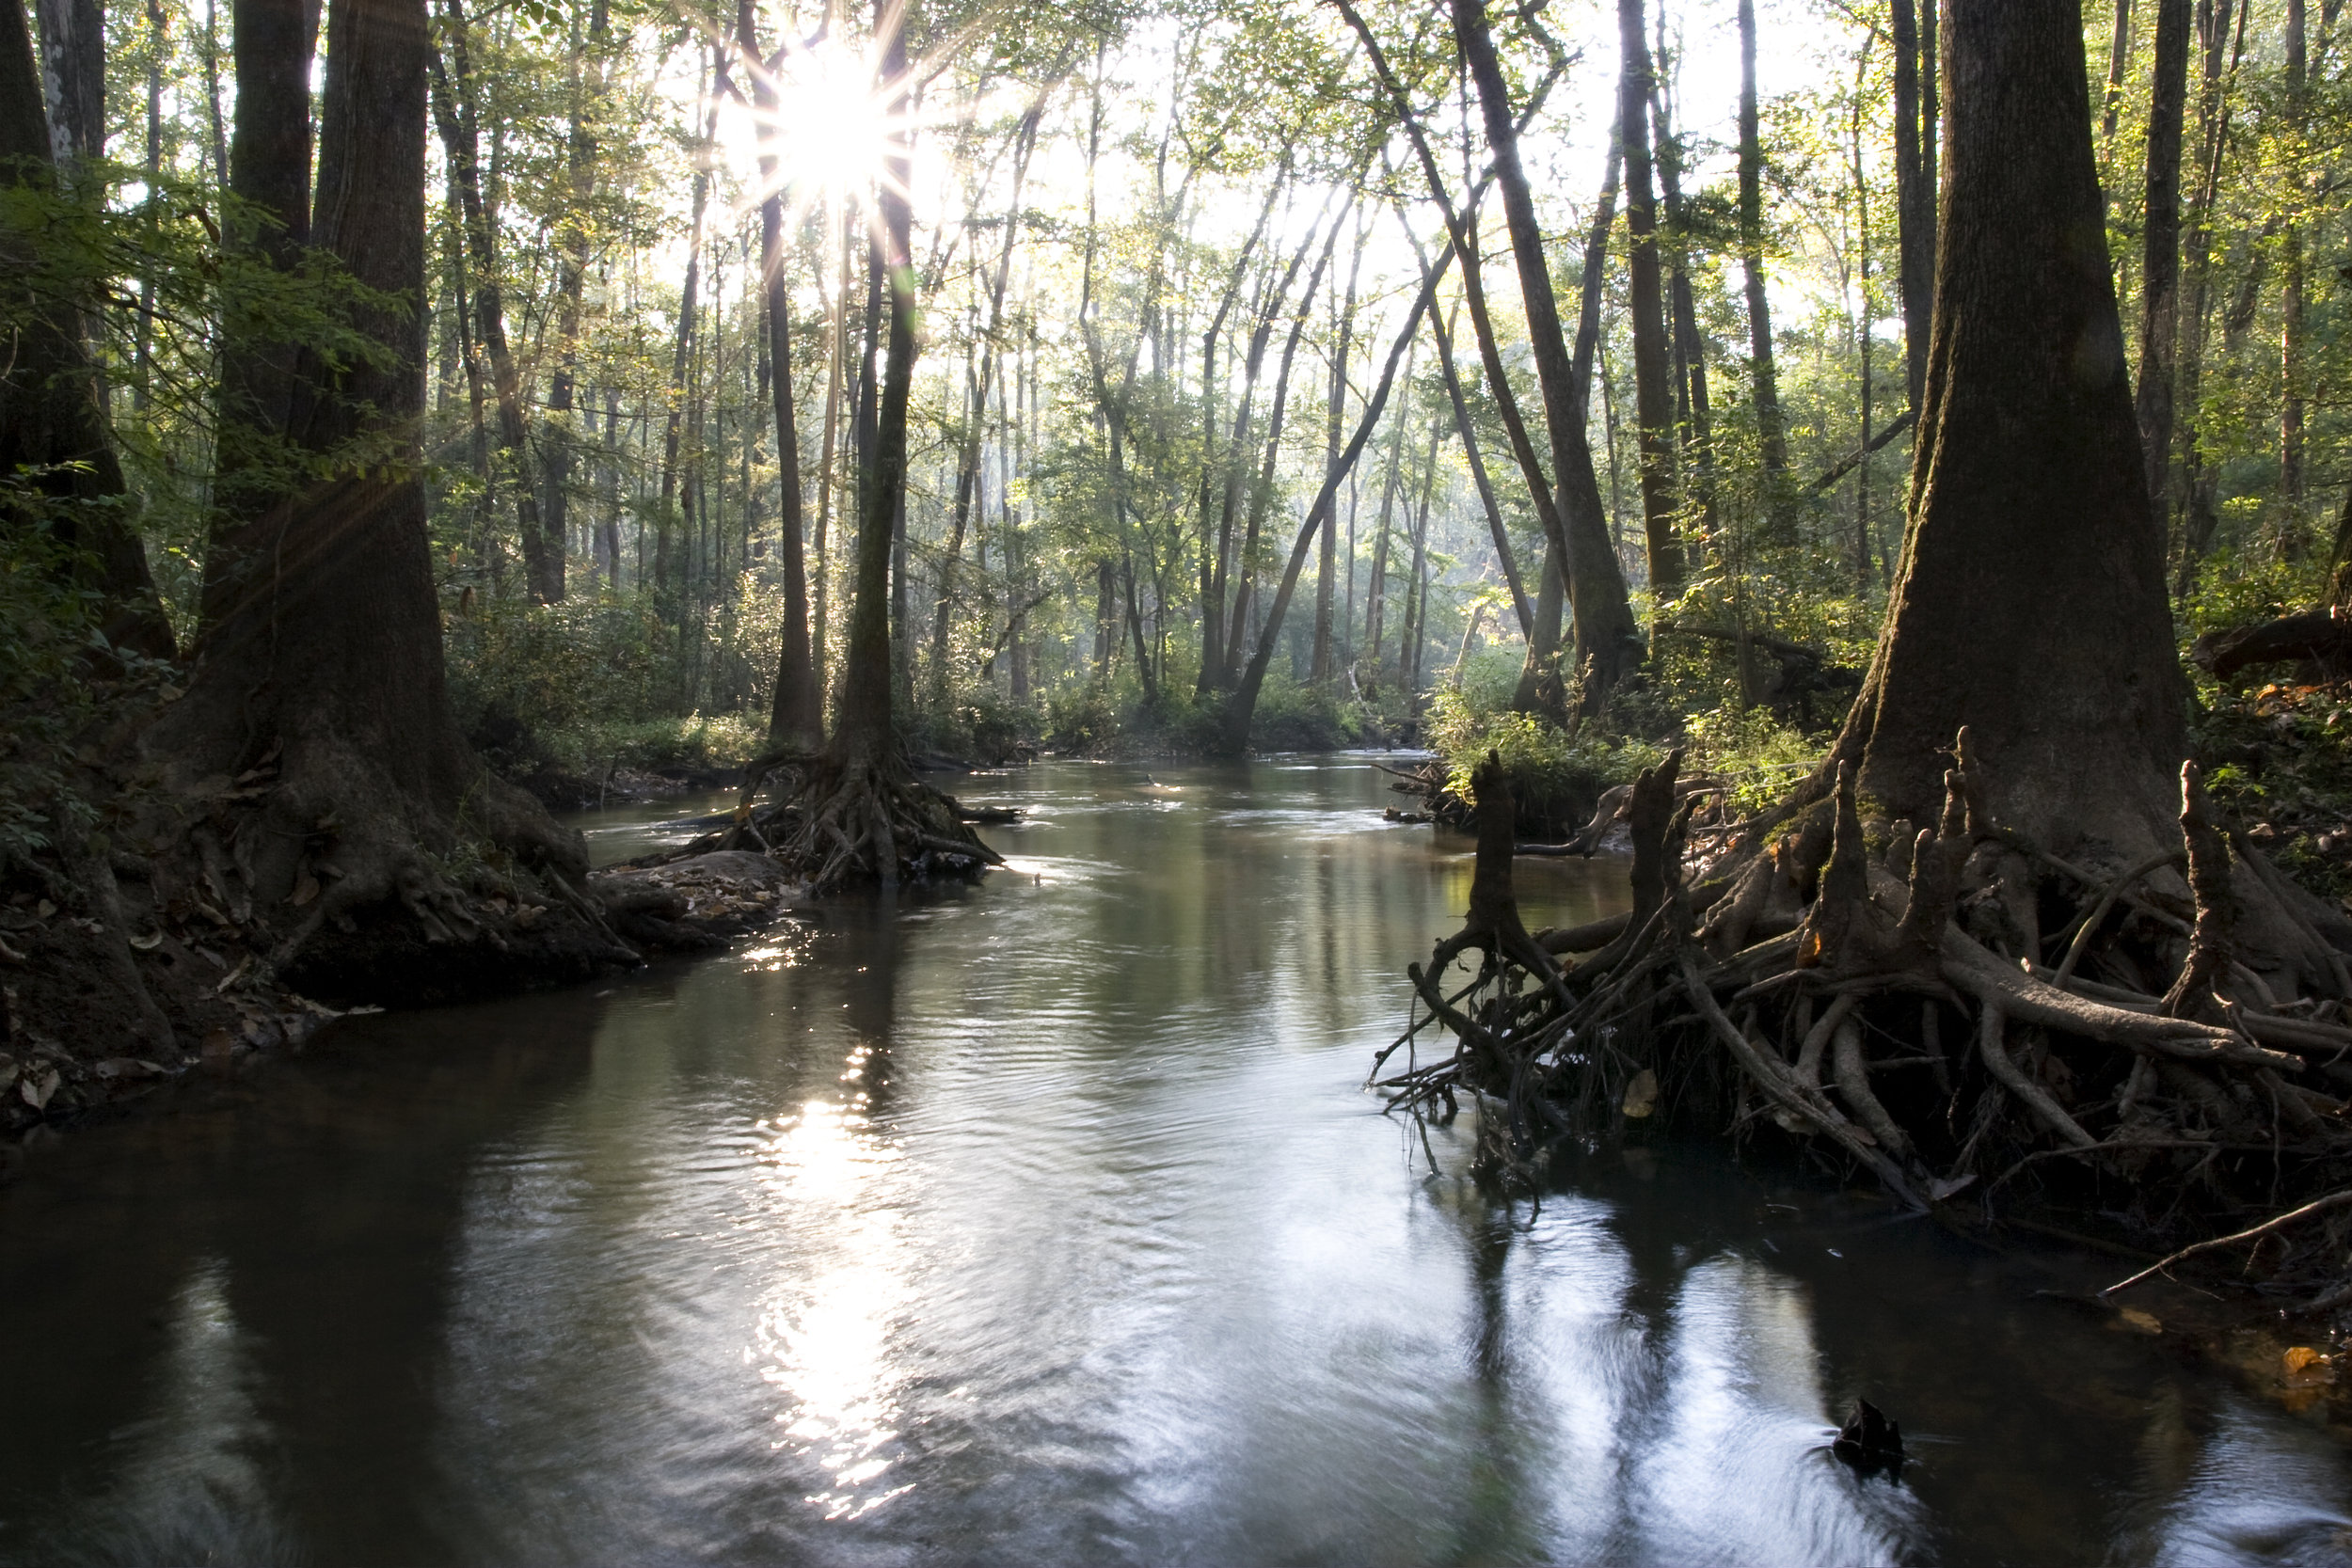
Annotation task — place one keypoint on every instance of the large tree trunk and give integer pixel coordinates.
(73, 80)
(2031, 602)
(1653, 394)
(53, 431)
(269, 174)
(380, 859)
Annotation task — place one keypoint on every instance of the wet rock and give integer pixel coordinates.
(1870, 1444)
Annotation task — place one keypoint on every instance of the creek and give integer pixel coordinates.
(1047, 1220)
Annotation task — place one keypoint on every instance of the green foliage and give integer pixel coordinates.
(1555, 778)
(1757, 752)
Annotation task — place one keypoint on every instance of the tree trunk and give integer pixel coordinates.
(864, 729)
(1262, 494)
(269, 175)
(968, 458)
(2292, 327)
(2030, 604)
(1243, 705)
(1772, 439)
(796, 715)
(2212, 118)
(580, 157)
(1442, 331)
(1326, 665)
(2160, 274)
(73, 81)
(453, 105)
(1915, 202)
(681, 354)
(331, 672)
(1690, 346)
(53, 431)
(1608, 643)
(1653, 394)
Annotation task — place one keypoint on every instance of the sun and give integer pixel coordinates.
(831, 126)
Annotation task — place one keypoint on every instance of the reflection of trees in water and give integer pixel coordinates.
(259, 1303)
(1700, 1423)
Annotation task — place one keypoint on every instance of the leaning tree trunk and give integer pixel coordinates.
(1653, 397)
(1608, 643)
(322, 800)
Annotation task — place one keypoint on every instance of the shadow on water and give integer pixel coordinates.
(1043, 1220)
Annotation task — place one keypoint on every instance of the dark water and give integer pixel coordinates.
(1044, 1222)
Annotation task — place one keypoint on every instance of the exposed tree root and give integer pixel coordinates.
(2129, 1039)
(861, 819)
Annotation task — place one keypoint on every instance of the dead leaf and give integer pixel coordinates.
(1944, 1186)
(2307, 1368)
(1641, 1096)
(245, 967)
(304, 891)
(2142, 1322)
(44, 909)
(218, 1047)
(37, 1091)
(148, 942)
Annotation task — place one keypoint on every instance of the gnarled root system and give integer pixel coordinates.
(1945, 1005)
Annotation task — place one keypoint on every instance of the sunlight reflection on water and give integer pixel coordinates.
(1043, 1222)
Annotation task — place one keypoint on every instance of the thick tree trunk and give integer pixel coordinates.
(73, 80)
(1653, 394)
(2030, 603)
(1772, 439)
(328, 673)
(2160, 273)
(269, 174)
(53, 431)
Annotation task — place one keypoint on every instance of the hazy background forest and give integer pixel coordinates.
(1161, 253)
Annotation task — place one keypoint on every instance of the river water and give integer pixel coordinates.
(1045, 1221)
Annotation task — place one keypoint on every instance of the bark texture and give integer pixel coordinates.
(2030, 603)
